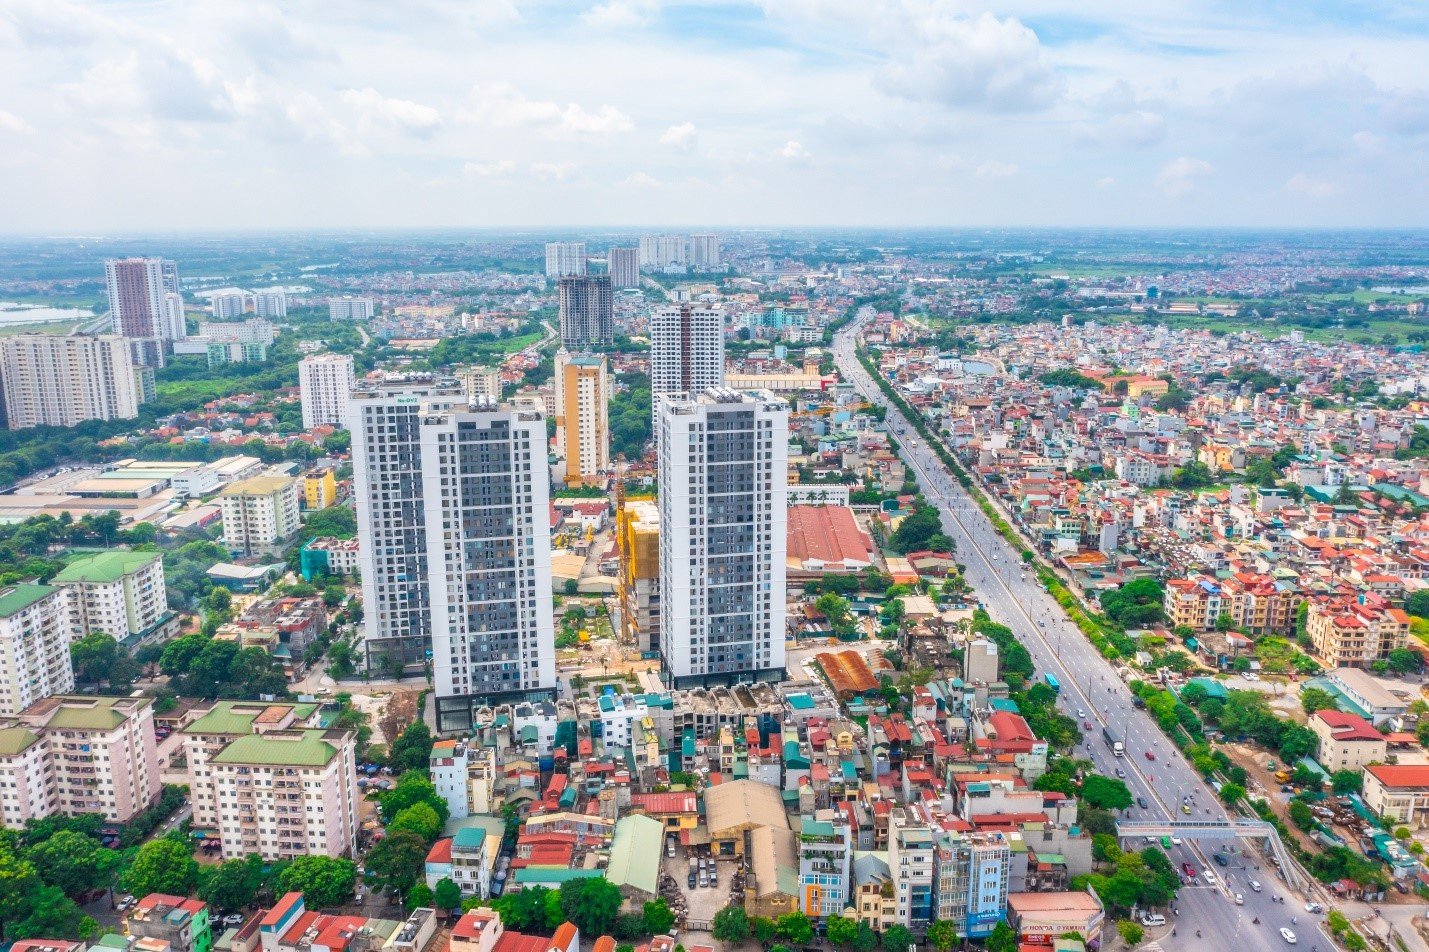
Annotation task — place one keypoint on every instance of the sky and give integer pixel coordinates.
(217, 115)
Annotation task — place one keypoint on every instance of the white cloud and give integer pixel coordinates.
(795, 151)
(489, 169)
(377, 112)
(622, 14)
(1180, 175)
(1367, 142)
(1106, 181)
(157, 81)
(979, 62)
(642, 180)
(1136, 129)
(502, 105)
(1302, 184)
(554, 171)
(680, 137)
(993, 169)
(9, 122)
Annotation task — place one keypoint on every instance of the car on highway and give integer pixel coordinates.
(1121, 773)
(1185, 809)
(1209, 877)
(1189, 870)
(1255, 885)
(1086, 725)
(1288, 936)
(1175, 841)
(1239, 899)
(1081, 713)
(1314, 907)
(1150, 755)
(1141, 802)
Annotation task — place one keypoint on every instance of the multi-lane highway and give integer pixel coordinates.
(1091, 690)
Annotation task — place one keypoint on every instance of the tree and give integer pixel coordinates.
(47, 911)
(447, 895)
(1001, 939)
(162, 866)
(1232, 793)
(840, 931)
(762, 928)
(412, 750)
(323, 881)
(658, 917)
(234, 884)
(1316, 699)
(1300, 815)
(74, 863)
(1403, 661)
(1135, 604)
(1130, 932)
(1417, 603)
(413, 788)
(398, 861)
(897, 939)
(420, 897)
(93, 657)
(943, 935)
(591, 904)
(1105, 793)
(730, 925)
(1297, 741)
(795, 927)
(1346, 781)
(420, 818)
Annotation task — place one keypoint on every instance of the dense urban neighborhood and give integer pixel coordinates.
(731, 590)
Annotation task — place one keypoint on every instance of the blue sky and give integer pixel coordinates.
(150, 114)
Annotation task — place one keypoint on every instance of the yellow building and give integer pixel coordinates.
(1355, 634)
(319, 489)
(637, 536)
(582, 417)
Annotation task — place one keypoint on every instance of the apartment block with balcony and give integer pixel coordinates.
(35, 636)
(287, 793)
(1355, 632)
(76, 755)
(911, 849)
(260, 514)
(221, 725)
(120, 593)
(825, 863)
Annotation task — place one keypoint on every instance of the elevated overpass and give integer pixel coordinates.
(1219, 831)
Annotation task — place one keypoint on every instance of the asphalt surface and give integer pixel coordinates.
(1092, 692)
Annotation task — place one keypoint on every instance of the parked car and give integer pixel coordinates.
(1314, 907)
(233, 920)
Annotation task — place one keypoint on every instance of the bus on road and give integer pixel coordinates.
(1052, 682)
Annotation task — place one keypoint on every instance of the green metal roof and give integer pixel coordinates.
(286, 749)
(15, 740)
(236, 717)
(88, 713)
(16, 598)
(105, 567)
(637, 839)
(540, 875)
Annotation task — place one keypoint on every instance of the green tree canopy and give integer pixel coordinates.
(162, 866)
(324, 881)
(232, 885)
(591, 904)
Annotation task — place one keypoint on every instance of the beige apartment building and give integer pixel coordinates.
(220, 726)
(1400, 793)
(73, 755)
(287, 793)
(35, 635)
(120, 593)
(1347, 741)
(1355, 633)
(260, 514)
(582, 417)
(55, 380)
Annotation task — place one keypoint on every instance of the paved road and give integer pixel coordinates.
(1092, 691)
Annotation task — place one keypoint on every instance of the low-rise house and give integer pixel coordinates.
(1347, 741)
(180, 923)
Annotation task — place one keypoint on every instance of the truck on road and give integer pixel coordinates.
(1111, 741)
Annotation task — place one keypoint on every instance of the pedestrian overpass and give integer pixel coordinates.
(1213, 831)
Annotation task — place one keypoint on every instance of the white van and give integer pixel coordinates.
(1153, 919)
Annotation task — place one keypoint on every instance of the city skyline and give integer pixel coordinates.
(139, 117)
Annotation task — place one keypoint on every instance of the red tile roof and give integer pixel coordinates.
(1400, 775)
(827, 533)
(441, 851)
(1344, 726)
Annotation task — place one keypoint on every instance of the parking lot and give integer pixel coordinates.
(702, 902)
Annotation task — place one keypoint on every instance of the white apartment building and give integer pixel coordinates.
(482, 383)
(120, 593)
(272, 303)
(255, 330)
(385, 420)
(663, 251)
(565, 259)
(723, 460)
(228, 305)
(287, 793)
(35, 636)
(53, 380)
(137, 298)
(487, 498)
(260, 514)
(221, 725)
(704, 252)
(76, 755)
(686, 349)
(325, 383)
(911, 854)
(349, 308)
(623, 264)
